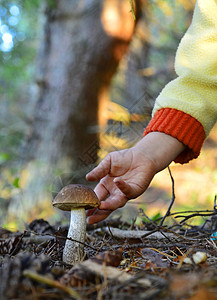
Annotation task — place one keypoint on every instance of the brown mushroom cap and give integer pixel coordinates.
(74, 196)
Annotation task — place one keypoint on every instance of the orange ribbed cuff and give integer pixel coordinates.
(182, 126)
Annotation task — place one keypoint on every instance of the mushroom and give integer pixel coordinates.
(77, 198)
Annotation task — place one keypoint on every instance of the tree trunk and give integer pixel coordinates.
(82, 45)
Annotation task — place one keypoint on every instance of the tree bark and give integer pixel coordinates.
(82, 45)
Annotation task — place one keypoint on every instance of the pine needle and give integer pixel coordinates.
(132, 9)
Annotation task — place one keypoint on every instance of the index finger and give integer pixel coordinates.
(101, 170)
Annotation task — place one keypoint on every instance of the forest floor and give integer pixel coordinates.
(122, 261)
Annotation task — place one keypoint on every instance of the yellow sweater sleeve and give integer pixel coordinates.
(194, 91)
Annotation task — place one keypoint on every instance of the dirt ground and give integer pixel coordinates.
(122, 261)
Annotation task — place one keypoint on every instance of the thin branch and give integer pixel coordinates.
(194, 215)
(41, 238)
(214, 206)
(53, 283)
(173, 198)
(191, 211)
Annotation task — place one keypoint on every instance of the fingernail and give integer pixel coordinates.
(116, 181)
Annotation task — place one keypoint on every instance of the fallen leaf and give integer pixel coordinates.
(109, 258)
(154, 258)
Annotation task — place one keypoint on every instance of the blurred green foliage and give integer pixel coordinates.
(18, 40)
(18, 32)
(17, 63)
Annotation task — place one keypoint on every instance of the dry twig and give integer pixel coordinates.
(53, 283)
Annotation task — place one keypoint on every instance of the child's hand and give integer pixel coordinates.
(127, 174)
(124, 175)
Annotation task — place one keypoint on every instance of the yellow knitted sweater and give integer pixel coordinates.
(187, 107)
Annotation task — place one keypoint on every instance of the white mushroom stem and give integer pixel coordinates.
(73, 251)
